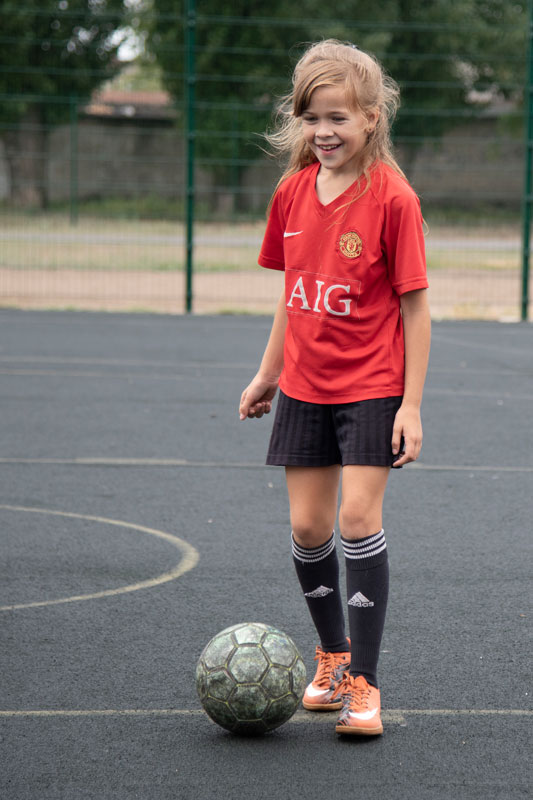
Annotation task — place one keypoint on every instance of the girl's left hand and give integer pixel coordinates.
(256, 399)
(407, 424)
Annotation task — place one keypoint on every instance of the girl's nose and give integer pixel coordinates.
(323, 129)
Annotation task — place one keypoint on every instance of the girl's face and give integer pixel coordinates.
(335, 132)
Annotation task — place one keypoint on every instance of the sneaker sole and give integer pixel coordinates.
(352, 731)
(322, 706)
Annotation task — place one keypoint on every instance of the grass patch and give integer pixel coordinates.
(48, 241)
(476, 217)
(473, 261)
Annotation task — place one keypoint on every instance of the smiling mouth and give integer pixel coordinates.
(328, 148)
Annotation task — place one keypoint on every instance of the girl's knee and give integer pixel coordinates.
(358, 519)
(310, 533)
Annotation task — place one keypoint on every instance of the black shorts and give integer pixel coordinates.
(317, 435)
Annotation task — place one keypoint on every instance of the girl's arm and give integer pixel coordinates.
(256, 399)
(417, 333)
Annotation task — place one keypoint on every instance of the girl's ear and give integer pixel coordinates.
(372, 117)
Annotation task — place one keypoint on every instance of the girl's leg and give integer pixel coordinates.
(313, 495)
(367, 568)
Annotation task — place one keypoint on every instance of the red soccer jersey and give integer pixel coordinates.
(346, 265)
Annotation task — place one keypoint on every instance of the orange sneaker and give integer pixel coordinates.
(319, 694)
(361, 707)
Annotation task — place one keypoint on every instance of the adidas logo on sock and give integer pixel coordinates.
(320, 591)
(360, 601)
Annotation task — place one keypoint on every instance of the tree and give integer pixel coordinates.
(52, 56)
(243, 65)
(450, 57)
(450, 64)
(440, 51)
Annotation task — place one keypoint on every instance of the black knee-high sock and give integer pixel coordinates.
(318, 572)
(367, 581)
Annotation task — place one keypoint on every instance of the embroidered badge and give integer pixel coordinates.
(350, 244)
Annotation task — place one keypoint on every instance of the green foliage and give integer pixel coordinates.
(450, 57)
(242, 67)
(453, 50)
(57, 50)
(143, 207)
(440, 51)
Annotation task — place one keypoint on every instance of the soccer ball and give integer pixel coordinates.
(250, 678)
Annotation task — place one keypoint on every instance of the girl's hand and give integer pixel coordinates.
(256, 399)
(407, 424)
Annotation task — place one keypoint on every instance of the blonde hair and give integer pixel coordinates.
(367, 88)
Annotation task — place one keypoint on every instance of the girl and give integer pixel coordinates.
(348, 348)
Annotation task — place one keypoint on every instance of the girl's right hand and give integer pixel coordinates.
(256, 399)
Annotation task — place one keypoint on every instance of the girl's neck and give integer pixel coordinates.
(330, 185)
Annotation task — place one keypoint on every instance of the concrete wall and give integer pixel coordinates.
(119, 157)
(473, 163)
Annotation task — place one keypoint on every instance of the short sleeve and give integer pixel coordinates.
(271, 255)
(403, 243)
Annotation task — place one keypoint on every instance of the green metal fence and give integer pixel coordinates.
(127, 197)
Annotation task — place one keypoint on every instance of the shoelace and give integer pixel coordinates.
(327, 664)
(359, 695)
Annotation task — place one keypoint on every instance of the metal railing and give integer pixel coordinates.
(122, 201)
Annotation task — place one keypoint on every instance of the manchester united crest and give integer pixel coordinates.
(351, 244)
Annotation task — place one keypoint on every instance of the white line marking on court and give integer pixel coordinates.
(55, 373)
(125, 362)
(466, 712)
(133, 362)
(189, 560)
(175, 376)
(103, 462)
(391, 716)
(183, 462)
(482, 393)
(466, 468)
(104, 712)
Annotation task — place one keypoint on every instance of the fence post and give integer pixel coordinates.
(528, 178)
(73, 193)
(190, 133)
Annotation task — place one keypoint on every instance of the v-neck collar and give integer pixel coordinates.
(328, 207)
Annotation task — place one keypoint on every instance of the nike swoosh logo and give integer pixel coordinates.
(312, 692)
(363, 714)
(295, 233)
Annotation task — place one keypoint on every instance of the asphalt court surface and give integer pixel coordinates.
(138, 520)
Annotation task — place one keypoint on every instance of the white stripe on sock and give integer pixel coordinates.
(367, 555)
(367, 548)
(369, 540)
(309, 555)
(311, 551)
